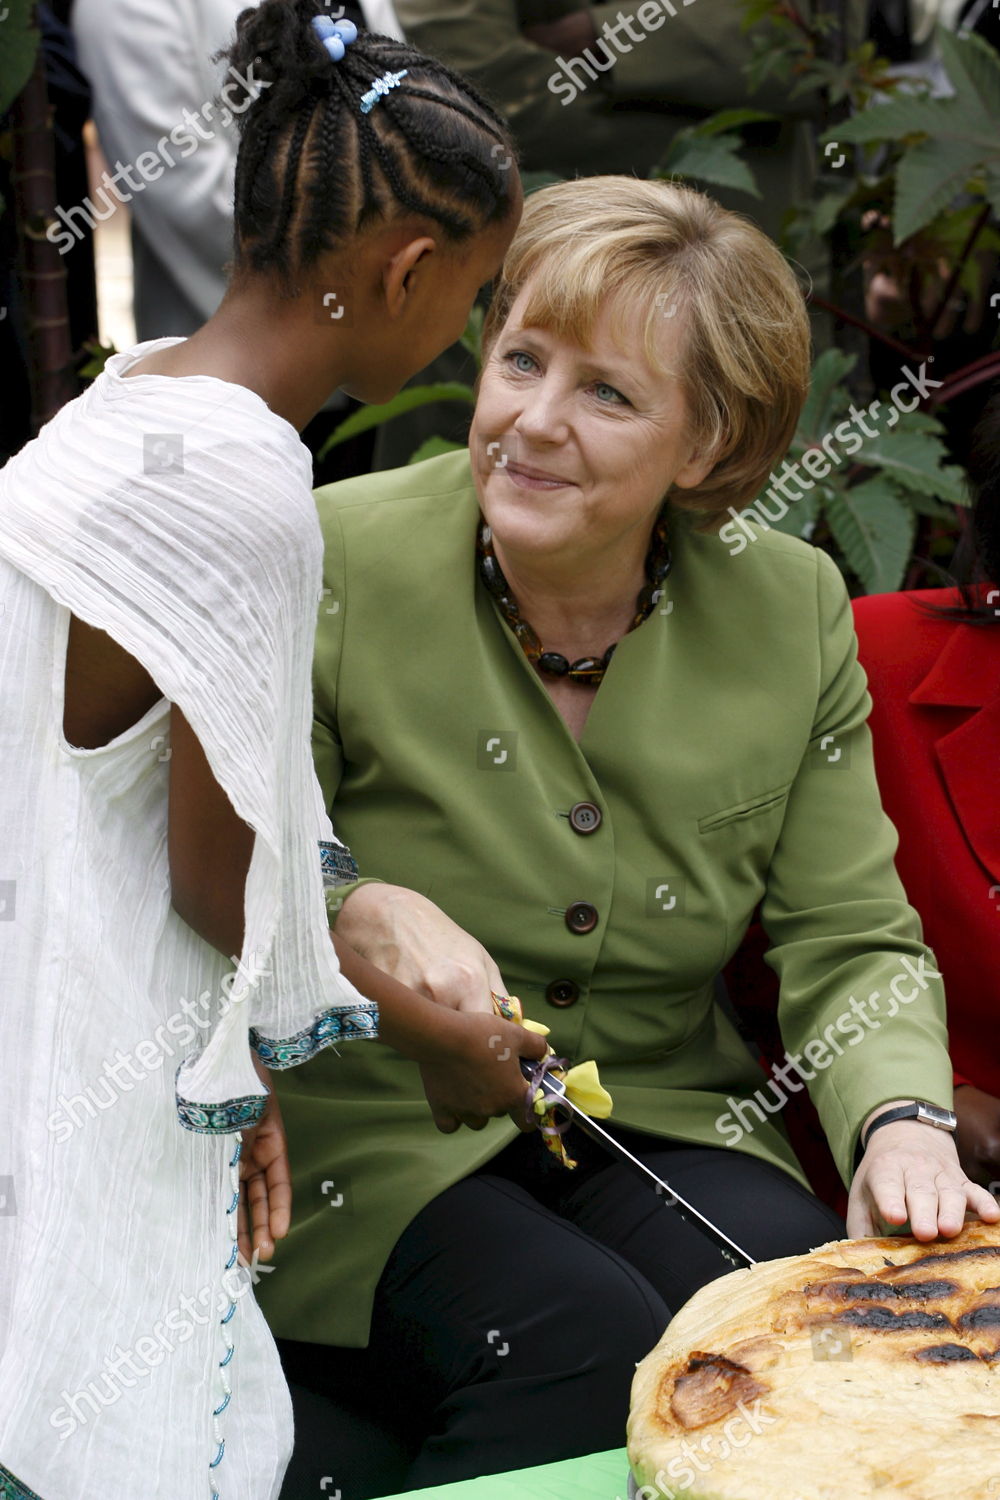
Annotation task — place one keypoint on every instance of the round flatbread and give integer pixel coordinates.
(865, 1368)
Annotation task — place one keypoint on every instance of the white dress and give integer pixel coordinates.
(177, 515)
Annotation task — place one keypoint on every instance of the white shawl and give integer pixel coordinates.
(176, 514)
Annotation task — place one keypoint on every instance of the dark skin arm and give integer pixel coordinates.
(209, 848)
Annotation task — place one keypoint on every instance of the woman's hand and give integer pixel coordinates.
(912, 1171)
(469, 1063)
(266, 1181)
(978, 1134)
(477, 1076)
(407, 936)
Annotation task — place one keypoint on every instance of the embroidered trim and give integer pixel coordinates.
(338, 1024)
(337, 864)
(12, 1488)
(218, 1119)
(227, 1390)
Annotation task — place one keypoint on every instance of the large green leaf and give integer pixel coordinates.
(801, 515)
(874, 529)
(472, 338)
(972, 66)
(409, 399)
(913, 459)
(710, 159)
(956, 137)
(731, 119)
(931, 175)
(18, 48)
(825, 401)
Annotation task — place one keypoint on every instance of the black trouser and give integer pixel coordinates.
(514, 1308)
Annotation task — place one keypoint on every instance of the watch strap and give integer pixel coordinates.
(927, 1114)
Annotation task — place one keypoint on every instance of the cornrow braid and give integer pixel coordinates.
(313, 169)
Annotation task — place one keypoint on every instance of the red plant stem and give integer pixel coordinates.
(843, 316)
(952, 282)
(960, 382)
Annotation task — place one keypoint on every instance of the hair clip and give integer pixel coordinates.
(380, 86)
(336, 36)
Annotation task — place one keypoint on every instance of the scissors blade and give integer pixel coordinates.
(555, 1089)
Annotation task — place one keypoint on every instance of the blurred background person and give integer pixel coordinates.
(157, 90)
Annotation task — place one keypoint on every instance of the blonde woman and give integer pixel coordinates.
(577, 741)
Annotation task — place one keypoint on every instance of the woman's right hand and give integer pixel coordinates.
(407, 936)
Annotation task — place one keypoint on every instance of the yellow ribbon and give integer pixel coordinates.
(583, 1086)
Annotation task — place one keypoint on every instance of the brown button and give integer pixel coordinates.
(585, 817)
(562, 992)
(581, 917)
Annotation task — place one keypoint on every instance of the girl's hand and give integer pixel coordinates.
(912, 1171)
(978, 1135)
(469, 1063)
(477, 1076)
(266, 1181)
(407, 936)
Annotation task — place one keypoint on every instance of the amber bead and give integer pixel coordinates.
(588, 671)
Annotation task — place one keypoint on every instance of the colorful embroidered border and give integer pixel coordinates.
(230, 1347)
(338, 1024)
(219, 1119)
(13, 1489)
(337, 864)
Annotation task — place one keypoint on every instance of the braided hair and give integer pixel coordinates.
(313, 169)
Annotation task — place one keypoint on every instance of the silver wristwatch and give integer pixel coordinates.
(928, 1114)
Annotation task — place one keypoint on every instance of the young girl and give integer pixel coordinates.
(160, 567)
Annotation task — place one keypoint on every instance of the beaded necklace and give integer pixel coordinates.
(588, 671)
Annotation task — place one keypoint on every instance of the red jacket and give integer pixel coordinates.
(935, 685)
(935, 722)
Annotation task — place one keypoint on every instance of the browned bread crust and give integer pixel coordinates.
(866, 1368)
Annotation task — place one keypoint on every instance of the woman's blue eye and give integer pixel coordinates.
(614, 396)
(520, 354)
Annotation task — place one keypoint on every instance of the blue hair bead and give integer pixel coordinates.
(336, 36)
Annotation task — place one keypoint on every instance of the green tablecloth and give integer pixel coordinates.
(599, 1476)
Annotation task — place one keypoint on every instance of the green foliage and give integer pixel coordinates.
(472, 338)
(709, 151)
(408, 399)
(99, 356)
(18, 48)
(868, 504)
(944, 143)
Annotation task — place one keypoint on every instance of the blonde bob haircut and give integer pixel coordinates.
(740, 312)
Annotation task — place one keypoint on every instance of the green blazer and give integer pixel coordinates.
(728, 755)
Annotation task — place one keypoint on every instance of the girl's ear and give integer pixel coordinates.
(398, 273)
